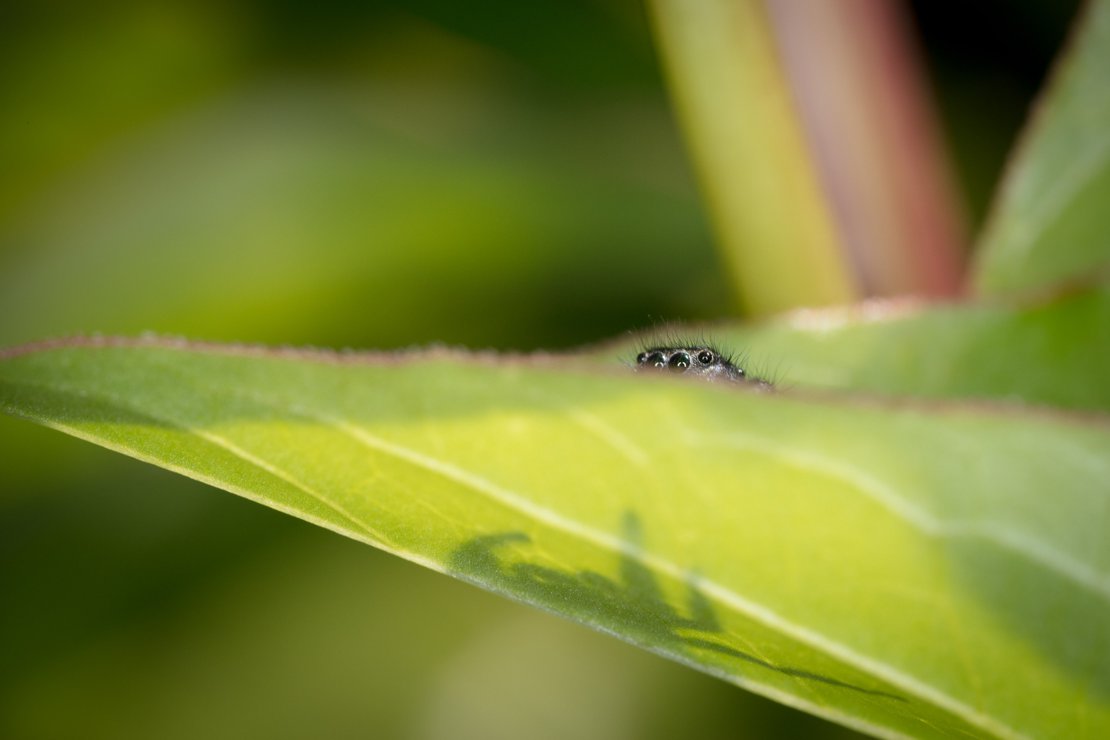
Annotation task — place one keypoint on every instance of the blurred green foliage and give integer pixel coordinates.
(369, 174)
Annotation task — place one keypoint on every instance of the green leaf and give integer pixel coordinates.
(1050, 223)
(908, 568)
(1055, 353)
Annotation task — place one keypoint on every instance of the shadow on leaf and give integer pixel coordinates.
(634, 607)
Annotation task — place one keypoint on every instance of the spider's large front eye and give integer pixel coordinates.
(706, 357)
(679, 362)
(656, 358)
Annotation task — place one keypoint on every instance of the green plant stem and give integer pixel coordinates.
(774, 225)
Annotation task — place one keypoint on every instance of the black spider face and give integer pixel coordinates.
(701, 361)
(652, 358)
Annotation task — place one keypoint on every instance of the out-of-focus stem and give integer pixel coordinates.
(773, 221)
(853, 67)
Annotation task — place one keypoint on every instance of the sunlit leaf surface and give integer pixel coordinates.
(905, 568)
(1051, 223)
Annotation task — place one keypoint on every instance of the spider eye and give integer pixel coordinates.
(705, 357)
(679, 361)
(651, 357)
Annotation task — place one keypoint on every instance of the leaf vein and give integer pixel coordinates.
(930, 525)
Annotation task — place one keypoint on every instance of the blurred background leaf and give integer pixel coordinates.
(351, 174)
(1049, 222)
